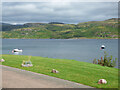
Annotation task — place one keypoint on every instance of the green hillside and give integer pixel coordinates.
(55, 30)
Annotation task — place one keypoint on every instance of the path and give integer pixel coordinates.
(17, 78)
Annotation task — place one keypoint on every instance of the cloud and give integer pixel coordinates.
(67, 12)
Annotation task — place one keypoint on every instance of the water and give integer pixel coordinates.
(78, 49)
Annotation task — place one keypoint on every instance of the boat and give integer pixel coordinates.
(103, 47)
(17, 50)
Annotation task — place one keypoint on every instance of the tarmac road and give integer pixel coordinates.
(17, 78)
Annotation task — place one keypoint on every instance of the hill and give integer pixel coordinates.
(58, 30)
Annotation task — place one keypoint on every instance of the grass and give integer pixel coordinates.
(76, 71)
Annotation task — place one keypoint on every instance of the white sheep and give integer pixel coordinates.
(2, 60)
(102, 81)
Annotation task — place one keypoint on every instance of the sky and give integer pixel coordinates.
(66, 12)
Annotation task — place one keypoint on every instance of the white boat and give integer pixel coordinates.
(103, 47)
(17, 50)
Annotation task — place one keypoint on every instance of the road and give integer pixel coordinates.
(17, 78)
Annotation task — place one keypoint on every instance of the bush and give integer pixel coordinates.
(107, 61)
(95, 61)
(28, 61)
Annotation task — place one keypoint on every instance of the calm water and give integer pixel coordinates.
(80, 49)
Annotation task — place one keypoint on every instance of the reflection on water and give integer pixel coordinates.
(17, 53)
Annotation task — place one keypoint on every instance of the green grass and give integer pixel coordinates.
(80, 72)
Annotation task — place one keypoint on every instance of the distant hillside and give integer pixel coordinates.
(58, 30)
(9, 27)
(55, 23)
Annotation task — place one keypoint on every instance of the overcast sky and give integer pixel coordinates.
(66, 12)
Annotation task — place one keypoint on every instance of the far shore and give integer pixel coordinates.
(60, 38)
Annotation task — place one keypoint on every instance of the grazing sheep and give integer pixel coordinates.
(54, 71)
(102, 81)
(2, 60)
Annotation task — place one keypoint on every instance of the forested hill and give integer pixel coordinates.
(59, 30)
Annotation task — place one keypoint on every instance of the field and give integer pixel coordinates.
(76, 71)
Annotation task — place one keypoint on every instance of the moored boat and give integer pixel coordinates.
(17, 50)
(103, 47)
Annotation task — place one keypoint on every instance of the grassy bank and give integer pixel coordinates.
(80, 72)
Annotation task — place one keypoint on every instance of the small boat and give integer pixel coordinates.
(17, 50)
(103, 47)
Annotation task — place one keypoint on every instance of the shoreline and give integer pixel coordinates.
(63, 39)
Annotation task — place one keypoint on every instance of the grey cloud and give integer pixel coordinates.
(67, 12)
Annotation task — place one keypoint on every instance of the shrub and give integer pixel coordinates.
(107, 61)
(95, 61)
(28, 61)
